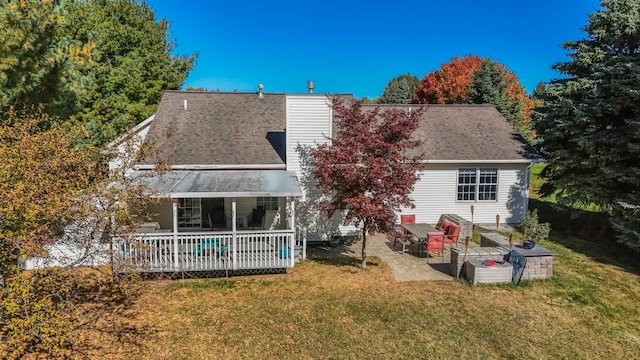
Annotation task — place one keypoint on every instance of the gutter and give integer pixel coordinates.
(508, 161)
(218, 167)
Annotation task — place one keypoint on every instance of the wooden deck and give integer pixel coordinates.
(207, 251)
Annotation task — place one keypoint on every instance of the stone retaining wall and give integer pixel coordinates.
(538, 267)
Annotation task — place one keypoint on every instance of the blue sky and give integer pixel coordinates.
(357, 47)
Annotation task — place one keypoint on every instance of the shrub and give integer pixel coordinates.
(533, 229)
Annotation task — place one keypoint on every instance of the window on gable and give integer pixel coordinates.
(269, 203)
(477, 184)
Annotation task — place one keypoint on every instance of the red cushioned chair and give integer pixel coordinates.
(434, 244)
(444, 225)
(451, 234)
(408, 219)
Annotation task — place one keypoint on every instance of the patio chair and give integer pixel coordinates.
(408, 219)
(444, 225)
(434, 244)
(257, 218)
(399, 236)
(451, 234)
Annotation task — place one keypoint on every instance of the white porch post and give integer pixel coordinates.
(176, 257)
(234, 238)
(292, 221)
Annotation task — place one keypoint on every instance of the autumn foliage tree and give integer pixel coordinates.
(465, 80)
(450, 83)
(55, 195)
(367, 171)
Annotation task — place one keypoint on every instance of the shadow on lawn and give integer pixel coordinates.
(586, 232)
(344, 260)
(340, 255)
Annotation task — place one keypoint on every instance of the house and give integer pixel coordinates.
(239, 194)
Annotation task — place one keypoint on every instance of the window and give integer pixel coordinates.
(269, 203)
(467, 184)
(488, 184)
(477, 184)
(189, 211)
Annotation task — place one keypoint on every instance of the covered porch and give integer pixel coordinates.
(216, 220)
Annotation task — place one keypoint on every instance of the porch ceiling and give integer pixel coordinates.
(217, 184)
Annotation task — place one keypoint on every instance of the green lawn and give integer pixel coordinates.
(331, 309)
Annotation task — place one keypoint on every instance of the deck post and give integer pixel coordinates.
(292, 221)
(234, 238)
(292, 246)
(176, 257)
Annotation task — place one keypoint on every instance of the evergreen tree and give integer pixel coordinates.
(399, 90)
(490, 85)
(590, 121)
(132, 64)
(31, 65)
(100, 64)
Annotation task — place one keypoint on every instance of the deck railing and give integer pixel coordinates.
(205, 251)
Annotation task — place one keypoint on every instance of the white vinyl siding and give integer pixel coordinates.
(437, 190)
(308, 124)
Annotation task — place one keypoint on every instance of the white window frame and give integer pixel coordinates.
(269, 203)
(475, 184)
(188, 218)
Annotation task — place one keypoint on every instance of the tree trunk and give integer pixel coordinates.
(364, 247)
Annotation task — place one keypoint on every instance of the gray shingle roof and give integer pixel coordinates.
(241, 129)
(219, 128)
(466, 132)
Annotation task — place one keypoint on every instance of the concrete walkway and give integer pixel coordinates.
(405, 267)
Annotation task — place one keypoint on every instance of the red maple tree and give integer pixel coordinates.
(367, 170)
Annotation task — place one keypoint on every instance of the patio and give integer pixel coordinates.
(405, 267)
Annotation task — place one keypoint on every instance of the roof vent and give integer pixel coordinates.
(310, 86)
(260, 93)
(185, 104)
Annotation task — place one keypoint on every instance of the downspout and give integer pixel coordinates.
(528, 177)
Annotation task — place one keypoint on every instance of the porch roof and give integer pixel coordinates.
(227, 183)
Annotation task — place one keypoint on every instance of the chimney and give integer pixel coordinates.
(260, 93)
(185, 104)
(310, 86)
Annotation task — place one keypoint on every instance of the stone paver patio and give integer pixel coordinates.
(405, 267)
